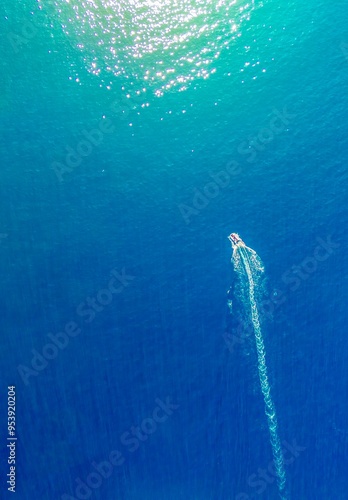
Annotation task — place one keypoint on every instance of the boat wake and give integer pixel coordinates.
(249, 269)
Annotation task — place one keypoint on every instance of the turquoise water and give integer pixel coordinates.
(135, 137)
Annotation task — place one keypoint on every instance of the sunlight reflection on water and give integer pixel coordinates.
(160, 44)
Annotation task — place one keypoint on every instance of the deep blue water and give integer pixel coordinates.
(145, 204)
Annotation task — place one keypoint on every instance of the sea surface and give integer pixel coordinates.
(135, 137)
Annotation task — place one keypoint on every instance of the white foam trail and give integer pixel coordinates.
(247, 262)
